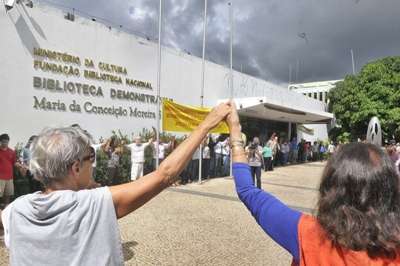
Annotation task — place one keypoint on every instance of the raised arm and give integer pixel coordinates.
(148, 143)
(106, 145)
(130, 196)
(275, 218)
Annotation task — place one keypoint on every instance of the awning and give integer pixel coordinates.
(260, 107)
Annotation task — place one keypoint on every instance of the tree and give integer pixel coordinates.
(375, 91)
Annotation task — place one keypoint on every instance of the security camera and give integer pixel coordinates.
(29, 3)
(9, 4)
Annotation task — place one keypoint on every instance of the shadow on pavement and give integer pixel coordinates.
(2, 245)
(127, 249)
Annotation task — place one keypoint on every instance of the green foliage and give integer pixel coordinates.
(345, 137)
(100, 174)
(375, 91)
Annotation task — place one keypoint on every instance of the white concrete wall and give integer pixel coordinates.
(22, 29)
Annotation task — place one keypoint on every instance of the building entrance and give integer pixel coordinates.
(255, 127)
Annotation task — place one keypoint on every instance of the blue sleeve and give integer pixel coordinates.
(275, 218)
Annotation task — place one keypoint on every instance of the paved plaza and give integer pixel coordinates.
(207, 224)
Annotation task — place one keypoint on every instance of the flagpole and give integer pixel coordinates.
(202, 83)
(231, 50)
(158, 85)
(231, 68)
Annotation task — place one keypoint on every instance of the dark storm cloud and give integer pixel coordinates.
(314, 37)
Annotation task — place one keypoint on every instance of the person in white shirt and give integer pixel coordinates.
(255, 159)
(218, 150)
(137, 157)
(226, 155)
(206, 160)
(161, 151)
(194, 166)
(95, 147)
(331, 149)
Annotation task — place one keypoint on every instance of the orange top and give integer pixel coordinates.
(317, 249)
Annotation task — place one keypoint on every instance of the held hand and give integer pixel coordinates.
(217, 114)
(233, 118)
(238, 153)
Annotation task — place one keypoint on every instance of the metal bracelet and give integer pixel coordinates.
(237, 145)
(237, 142)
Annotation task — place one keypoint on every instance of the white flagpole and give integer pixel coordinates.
(231, 50)
(231, 68)
(158, 85)
(202, 82)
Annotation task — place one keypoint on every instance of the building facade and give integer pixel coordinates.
(316, 90)
(58, 71)
(319, 91)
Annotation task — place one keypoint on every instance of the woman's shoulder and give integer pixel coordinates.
(308, 220)
(310, 233)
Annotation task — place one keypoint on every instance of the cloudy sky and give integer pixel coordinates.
(313, 38)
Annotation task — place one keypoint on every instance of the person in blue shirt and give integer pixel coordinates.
(358, 210)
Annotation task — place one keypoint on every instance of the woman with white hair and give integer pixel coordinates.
(68, 224)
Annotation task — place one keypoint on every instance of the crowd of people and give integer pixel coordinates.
(276, 152)
(215, 152)
(142, 154)
(356, 219)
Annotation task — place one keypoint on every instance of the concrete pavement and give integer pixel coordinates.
(206, 224)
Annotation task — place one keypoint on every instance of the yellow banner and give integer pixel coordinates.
(185, 118)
